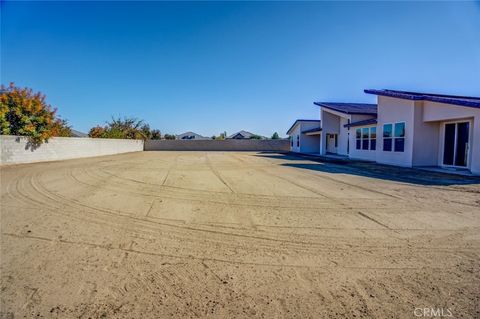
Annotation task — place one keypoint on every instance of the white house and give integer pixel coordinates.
(422, 129)
(191, 136)
(334, 116)
(305, 136)
(408, 129)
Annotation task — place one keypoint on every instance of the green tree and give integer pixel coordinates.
(25, 113)
(255, 137)
(169, 136)
(156, 135)
(275, 136)
(125, 128)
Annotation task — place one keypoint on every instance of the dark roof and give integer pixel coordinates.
(312, 130)
(244, 135)
(362, 123)
(350, 108)
(76, 133)
(301, 120)
(469, 101)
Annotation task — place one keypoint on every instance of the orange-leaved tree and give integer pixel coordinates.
(25, 113)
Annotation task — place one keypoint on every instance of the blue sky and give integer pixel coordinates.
(211, 67)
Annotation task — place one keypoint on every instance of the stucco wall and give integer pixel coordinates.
(392, 110)
(425, 139)
(293, 135)
(367, 155)
(433, 111)
(15, 149)
(330, 125)
(218, 145)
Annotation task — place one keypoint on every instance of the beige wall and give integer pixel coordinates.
(425, 139)
(367, 155)
(15, 149)
(282, 145)
(441, 113)
(392, 110)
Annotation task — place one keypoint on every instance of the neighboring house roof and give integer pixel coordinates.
(362, 123)
(350, 108)
(298, 121)
(469, 101)
(317, 129)
(242, 135)
(76, 133)
(190, 136)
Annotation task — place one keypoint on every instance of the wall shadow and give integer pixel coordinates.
(372, 170)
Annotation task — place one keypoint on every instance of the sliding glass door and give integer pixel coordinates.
(455, 147)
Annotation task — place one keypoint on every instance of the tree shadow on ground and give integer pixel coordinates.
(373, 170)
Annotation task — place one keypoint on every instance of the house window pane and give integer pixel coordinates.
(373, 132)
(365, 132)
(399, 129)
(399, 144)
(359, 133)
(387, 144)
(365, 144)
(373, 144)
(358, 144)
(387, 130)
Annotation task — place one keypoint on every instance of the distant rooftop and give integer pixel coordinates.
(350, 108)
(76, 133)
(243, 135)
(469, 101)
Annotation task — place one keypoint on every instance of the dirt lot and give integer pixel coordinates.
(224, 235)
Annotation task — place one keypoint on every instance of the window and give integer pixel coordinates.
(365, 138)
(291, 141)
(373, 138)
(394, 137)
(298, 140)
(387, 137)
(399, 140)
(358, 137)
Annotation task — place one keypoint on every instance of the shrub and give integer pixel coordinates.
(25, 113)
(126, 128)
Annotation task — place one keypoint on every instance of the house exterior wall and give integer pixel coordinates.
(440, 113)
(425, 139)
(393, 110)
(366, 155)
(342, 148)
(308, 144)
(293, 137)
(330, 125)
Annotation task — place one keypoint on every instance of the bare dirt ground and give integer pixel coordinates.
(234, 235)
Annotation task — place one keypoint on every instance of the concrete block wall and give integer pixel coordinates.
(218, 145)
(16, 149)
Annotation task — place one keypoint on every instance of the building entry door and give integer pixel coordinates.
(456, 147)
(332, 143)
